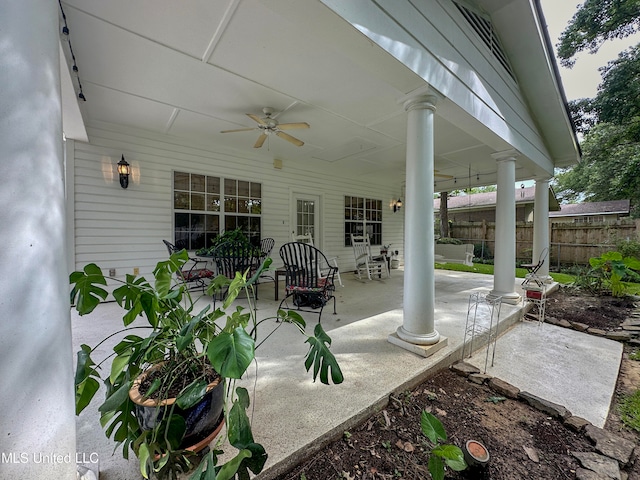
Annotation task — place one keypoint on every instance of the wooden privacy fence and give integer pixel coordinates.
(570, 243)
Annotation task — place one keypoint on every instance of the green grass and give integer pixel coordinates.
(487, 269)
(630, 410)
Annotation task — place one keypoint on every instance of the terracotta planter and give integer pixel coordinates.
(475, 454)
(202, 419)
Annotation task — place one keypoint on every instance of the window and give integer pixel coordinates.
(200, 208)
(362, 215)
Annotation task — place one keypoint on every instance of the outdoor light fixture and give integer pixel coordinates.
(397, 205)
(124, 171)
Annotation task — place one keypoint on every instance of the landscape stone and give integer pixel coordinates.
(557, 322)
(503, 388)
(581, 327)
(619, 336)
(603, 466)
(545, 406)
(634, 342)
(611, 445)
(597, 331)
(576, 424)
(631, 322)
(631, 328)
(464, 369)
(479, 378)
(585, 474)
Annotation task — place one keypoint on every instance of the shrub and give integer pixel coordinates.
(629, 248)
(450, 241)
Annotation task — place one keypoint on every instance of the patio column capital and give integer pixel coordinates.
(421, 102)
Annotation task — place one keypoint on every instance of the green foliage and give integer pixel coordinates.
(450, 241)
(595, 22)
(630, 411)
(628, 248)
(441, 454)
(635, 356)
(609, 270)
(236, 236)
(183, 344)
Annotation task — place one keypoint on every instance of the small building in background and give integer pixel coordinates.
(592, 212)
(482, 206)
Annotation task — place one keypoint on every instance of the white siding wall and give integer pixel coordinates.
(124, 229)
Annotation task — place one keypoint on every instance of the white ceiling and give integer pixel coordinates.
(191, 68)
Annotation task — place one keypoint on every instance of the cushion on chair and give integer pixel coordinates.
(195, 274)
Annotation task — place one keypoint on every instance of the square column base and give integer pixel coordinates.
(422, 350)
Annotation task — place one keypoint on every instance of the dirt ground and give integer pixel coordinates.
(523, 442)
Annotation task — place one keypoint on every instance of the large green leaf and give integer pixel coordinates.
(240, 434)
(116, 399)
(231, 353)
(85, 379)
(321, 358)
(436, 467)
(143, 457)
(206, 468)
(229, 469)
(452, 455)
(119, 364)
(432, 427)
(86, 293)
(192, 394)
(85, 391)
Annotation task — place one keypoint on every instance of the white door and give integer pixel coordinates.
(306, 219)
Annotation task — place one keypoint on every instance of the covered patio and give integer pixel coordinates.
(294, 416)
(402, 99)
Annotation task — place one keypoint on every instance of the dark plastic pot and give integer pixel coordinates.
(475, 454)
(201, 420)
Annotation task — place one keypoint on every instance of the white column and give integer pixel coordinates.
(541, 227)
(37, 423)
(419, 278)
(504, 273)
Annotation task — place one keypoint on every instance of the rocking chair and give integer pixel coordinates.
(365, 262)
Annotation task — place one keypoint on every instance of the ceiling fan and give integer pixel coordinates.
(269, 125)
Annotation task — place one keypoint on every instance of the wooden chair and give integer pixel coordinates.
(331, 261)
(307, 290)
(365, 262)
(197, 274)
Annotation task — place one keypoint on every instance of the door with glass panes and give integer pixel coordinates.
(307, 216)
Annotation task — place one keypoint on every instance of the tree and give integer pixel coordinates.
(610, 122)
(595, 22)
(609, 170)
(444, 214)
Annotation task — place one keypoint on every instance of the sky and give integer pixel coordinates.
(583, 79)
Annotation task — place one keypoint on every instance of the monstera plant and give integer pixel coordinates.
(184, 369)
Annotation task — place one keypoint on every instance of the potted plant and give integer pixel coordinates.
(187, 357)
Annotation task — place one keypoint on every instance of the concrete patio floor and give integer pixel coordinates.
(293, 416)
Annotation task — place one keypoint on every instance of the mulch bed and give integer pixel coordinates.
(524, 443)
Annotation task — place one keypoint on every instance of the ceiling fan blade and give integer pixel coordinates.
(256, 118)
(292, 126)
(289, 138)
(239, 130)
(260, 140)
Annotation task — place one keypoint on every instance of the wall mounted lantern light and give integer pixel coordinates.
(124, 171)
(396, 205)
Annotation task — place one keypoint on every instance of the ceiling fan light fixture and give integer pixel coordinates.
(268, 125)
